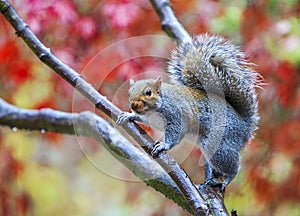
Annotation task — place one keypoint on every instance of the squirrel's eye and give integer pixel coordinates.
(148, 92)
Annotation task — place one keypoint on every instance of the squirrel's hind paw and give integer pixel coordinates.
(216, 183)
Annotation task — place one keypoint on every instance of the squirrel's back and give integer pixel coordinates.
(212, 64)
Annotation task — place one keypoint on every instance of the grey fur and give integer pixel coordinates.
(213, 64)
(219, 68)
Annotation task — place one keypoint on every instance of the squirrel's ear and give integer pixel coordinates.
(157, 84)
(131, 81)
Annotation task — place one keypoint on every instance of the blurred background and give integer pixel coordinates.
(54, 174)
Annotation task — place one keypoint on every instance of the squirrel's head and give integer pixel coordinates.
(144, 95)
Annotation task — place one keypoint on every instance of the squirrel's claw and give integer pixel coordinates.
(123, 118)
(158, 147)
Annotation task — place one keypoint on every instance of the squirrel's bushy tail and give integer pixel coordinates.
(213, 64)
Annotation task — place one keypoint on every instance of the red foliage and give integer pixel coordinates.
(59, 9)
(53, 138)
(23, 204)
(288, 81)
(254, 21)
(12, 64)
(9, 52)
(290, 188)
(45, 104)
(20, 71)
(262, 186)
(11, 168)
(86, 28)
(121, 13)
(11, 202)
(286, 137)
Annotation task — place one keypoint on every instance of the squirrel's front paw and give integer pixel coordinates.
(159, 147)
(124, 117)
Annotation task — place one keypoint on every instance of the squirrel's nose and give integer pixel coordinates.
(135, 105)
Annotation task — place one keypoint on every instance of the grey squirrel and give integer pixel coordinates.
(212, 94)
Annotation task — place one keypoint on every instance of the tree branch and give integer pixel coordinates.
(89, 124)
(169, 22)
(197, 203)
(44, 119)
